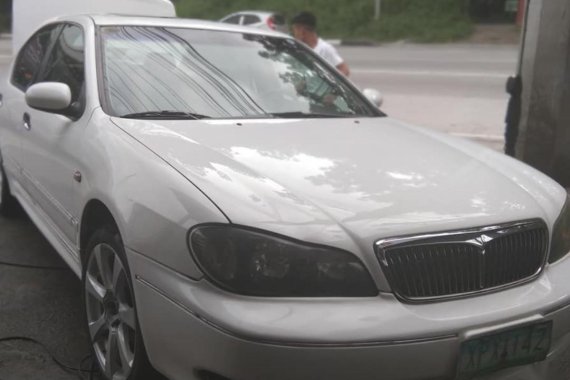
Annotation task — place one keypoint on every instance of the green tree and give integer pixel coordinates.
(420, 20)
(5, 14)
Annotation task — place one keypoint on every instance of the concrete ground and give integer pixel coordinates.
(38, 303)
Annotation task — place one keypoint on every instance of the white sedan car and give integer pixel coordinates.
(238, 210)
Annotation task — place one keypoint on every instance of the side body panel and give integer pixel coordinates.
(10, 131)
(153, 205)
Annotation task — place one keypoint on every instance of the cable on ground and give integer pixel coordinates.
(80, 372)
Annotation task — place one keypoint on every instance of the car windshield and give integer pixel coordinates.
(175, 72)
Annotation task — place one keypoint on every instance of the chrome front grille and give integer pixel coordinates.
(461, 263)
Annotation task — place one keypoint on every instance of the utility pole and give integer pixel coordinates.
(377, 9)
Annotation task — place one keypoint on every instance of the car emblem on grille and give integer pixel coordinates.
(480, 243)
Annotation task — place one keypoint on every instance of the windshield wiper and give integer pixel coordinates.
(165, 115)
(307, 115)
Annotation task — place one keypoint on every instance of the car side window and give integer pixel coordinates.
(31, 56)
(251, 19)
(66, 61)
(233, 20)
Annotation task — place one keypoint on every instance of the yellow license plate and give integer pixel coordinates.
(493, 352)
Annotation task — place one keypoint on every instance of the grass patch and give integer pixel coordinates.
(416, 20)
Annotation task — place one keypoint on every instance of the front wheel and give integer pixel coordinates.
(116, 340)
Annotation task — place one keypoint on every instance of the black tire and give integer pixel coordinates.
(9, 206)
(108, 240)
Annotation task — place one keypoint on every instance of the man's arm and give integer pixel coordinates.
(343, 68)
(336, 60)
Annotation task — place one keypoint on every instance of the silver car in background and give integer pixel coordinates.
(258, 19)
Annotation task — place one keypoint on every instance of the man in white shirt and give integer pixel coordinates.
(304, 27)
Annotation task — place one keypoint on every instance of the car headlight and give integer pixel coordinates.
(255, 263)
(560, 246)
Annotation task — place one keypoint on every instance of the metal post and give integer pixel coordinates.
(377, 10)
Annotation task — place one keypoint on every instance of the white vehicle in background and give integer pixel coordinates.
(28, 15)
(236, 209)
(258, 19)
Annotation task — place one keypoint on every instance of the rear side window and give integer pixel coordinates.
(65, 63)
(251, 19)
(233, 20)
(31, 56)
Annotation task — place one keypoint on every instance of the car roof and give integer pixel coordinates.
(172, 22)
(258, 13)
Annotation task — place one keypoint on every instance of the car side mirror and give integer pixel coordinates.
(51, 97)
(374, 96)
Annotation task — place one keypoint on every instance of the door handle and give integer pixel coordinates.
(27, 121)
(1, 100)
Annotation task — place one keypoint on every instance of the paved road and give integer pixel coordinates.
(454, 88)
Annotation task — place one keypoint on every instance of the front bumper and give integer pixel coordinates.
(191, 326)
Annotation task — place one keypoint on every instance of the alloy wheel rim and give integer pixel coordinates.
(110, 312)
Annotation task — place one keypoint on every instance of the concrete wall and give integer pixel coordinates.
(544, 132)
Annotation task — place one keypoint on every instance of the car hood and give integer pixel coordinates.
(347, 182)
